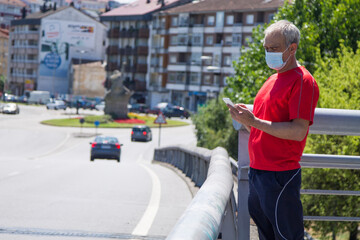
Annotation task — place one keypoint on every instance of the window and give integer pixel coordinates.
(227, 60)
(211, 20)
(197, 40)
(195, 58)
(250, 19)
(195, 78)
(182, 39)
(217, 79)
(219, 19)
(209, 40)
(207, 79)
(174, 21)
(260, 17)
(228, 40)
(173, 59)
(236, 39)
(270, 17)
(173, 40)
(248, 40)
(183, 20)
(230, 20)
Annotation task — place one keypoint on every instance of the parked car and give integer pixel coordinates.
(138, 108)
(176, 111)
(100, 106)
(105, 147)
(10, 108)
(56, 104)
(154, 110)
(9, 97)
(142, 133)
(89, 105)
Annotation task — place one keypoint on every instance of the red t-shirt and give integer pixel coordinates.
(283, 97)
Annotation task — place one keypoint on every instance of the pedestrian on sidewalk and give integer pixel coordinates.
(279, 124)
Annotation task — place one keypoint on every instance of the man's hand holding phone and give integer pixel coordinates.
(240, 113)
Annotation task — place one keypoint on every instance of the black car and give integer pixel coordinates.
(138, 108)
(105, 147)
(176, 111)
(142, 133)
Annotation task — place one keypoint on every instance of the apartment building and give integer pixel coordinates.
(42, 47)
(10, 10)
(193, 47)
(4, 50)
(129, 39)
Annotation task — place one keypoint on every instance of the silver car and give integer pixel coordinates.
(56, 104)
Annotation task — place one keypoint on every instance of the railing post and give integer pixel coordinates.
(243, 186)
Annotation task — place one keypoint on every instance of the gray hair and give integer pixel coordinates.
(287, 29)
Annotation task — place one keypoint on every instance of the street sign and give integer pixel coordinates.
(97, 123)
(160, 119)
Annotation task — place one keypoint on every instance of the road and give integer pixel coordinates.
(49, 189)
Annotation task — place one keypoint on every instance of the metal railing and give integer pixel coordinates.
(213, 207)
(194, 162)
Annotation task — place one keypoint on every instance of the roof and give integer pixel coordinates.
(39, 15)
(35, 18)
(139, 7)
(226, 5)
(4, 32)
(17, 3)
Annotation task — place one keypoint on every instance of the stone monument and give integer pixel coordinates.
(117, 98)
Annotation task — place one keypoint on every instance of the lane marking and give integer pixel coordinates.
(54, 149)
(144, 225)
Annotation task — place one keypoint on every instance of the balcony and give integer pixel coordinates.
(142, 50)
(129, 69)
(32, 36)
(141, 68)
(128, 50)
(114, 33)
(144, 33)
(112, 50)
(140, 86)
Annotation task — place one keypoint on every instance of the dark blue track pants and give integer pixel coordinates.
(274, 204)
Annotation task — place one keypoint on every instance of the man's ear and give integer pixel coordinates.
(293, 48)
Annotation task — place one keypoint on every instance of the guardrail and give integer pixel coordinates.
(195, 162)
(213, 207)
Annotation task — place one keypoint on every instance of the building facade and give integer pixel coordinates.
(43, 44)
(129, 39)
(10, 10)
(4, 51)
(193, 47)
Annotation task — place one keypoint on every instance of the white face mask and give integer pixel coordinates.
(274, 59)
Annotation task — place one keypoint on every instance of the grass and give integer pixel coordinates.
(106, 122)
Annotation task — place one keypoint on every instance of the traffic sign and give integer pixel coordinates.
(97, 123)
(160, 119)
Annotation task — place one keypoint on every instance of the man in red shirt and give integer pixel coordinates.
(279, 124)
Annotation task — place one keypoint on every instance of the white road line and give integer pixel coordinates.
(144, 225)
(54, 149)
(13, 174)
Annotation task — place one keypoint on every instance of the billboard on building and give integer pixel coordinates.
(57, 38)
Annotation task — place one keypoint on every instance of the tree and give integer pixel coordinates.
(214, 127)
(324, 26)
(338, 80)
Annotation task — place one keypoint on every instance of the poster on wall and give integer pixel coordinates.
(57, 38)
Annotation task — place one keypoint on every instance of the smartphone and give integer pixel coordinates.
(228, 101)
